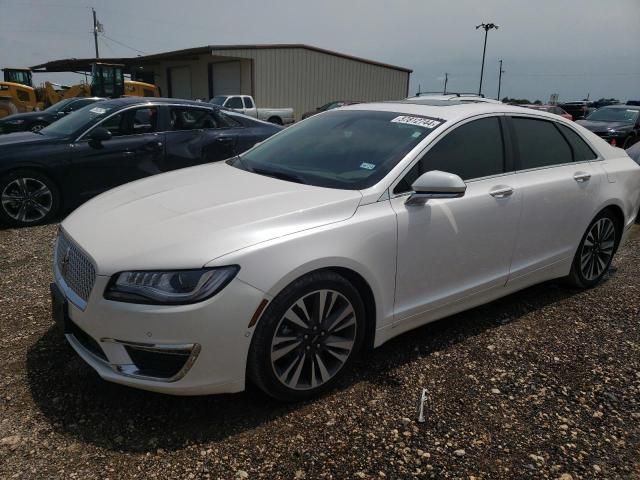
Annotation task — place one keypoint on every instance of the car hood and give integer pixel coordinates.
(27, 116)
(603, 126)
(24, 138)
(186, 218)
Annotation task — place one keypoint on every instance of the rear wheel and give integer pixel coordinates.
(27, 198)
(308, 337)
(595, 253)
(275, 120)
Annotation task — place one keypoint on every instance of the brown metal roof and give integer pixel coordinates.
(84, 64)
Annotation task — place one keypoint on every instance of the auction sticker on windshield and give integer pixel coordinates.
(425, 122)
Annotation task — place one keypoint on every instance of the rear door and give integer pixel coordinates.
(558, 181)
(135, 150)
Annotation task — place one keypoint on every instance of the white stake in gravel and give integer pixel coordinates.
(423, 400)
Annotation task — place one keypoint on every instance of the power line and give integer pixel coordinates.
(124, 45)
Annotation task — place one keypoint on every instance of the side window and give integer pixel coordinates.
(581, 151)
(133, 122)
(473, 150)
(540, 144)
(247, 102)
(227, 121)
(184, 118)
(22, 95)
(234, 102)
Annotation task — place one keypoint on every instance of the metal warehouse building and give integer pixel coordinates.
(291, 75)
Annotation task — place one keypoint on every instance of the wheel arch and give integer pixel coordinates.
(356, 278)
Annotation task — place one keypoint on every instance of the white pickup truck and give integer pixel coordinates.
(245, 104)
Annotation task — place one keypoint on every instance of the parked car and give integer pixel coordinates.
(105, 145)
(246, 105)
(328, 106)
(578, 110)
(34, 121)
(340, 232)
(617, 124)
(551, 109)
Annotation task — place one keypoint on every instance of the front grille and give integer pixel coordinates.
(74, 267)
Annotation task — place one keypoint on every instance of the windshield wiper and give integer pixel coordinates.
(290, 177)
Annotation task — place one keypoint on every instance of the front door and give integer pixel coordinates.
(450, 249)
(134, 151)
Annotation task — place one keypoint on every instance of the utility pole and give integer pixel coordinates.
(96, 25)
(446, 79)
(500, 79)
(486, 27)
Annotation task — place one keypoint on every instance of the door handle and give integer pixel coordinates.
(582, 177)
(503, 192)
(128, 153)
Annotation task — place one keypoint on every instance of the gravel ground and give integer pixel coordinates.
(542, 384)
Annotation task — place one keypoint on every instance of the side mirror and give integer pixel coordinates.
(436, 184)
(99, 135)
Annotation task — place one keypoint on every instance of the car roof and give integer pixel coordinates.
(622, 107)
(449, 110)
(125, 101)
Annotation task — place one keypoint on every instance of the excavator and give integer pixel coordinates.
(17, 93)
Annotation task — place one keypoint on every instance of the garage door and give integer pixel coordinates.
(180, 86)
(225, 78)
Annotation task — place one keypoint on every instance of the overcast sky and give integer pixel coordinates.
(569, 47)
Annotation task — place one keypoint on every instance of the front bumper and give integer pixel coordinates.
(182, 350)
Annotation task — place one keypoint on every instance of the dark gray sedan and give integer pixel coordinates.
(106, 144)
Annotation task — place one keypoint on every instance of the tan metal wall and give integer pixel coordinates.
(306, 79)
(295, 77)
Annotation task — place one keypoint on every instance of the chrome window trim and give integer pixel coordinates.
(140, 105)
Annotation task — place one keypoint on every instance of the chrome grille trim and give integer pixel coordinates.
(74, 270)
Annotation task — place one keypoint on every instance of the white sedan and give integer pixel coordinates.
(337, 234)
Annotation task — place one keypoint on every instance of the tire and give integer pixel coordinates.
(312, 359)
(596, 250)
(275, 120)
(36, 127)
(27, 198)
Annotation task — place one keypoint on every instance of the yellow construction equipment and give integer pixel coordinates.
(17, 93)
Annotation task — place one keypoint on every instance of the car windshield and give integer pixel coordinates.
(56, 107)
(218, 99)
(605, 114)
(350, 150)
(75, 121)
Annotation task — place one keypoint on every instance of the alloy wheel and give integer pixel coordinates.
(597, 249)
(26, 200)
(313, 340)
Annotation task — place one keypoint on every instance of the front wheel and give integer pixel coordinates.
(595, 253)
(307, 338)
(27, 198)
(37, 127)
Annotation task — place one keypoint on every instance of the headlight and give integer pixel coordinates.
(175, 287)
